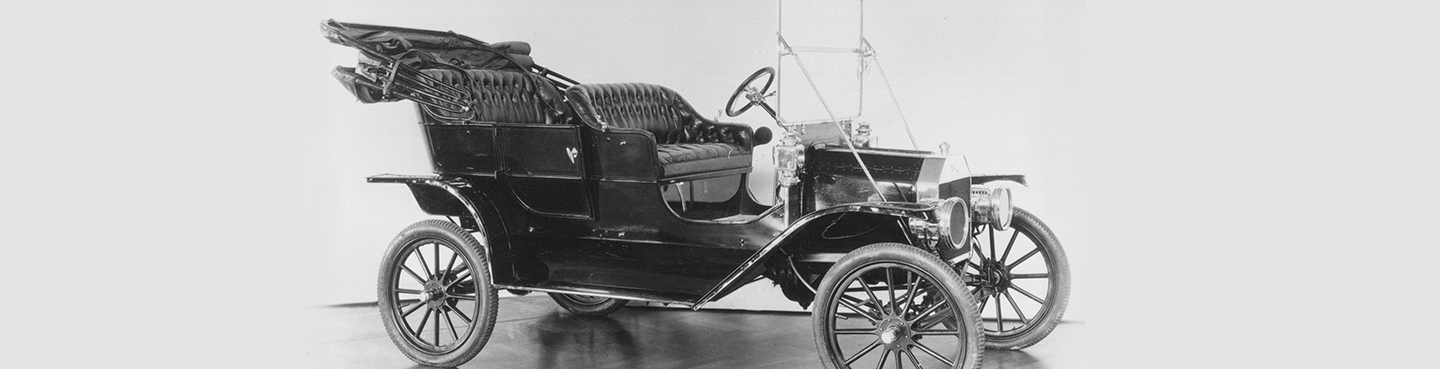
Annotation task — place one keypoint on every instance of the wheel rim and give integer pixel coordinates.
(1011, 280)
(433, 296)
(892, 314)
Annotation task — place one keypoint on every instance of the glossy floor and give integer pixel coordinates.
(533, 332)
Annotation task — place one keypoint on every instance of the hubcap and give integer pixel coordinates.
(889, 336)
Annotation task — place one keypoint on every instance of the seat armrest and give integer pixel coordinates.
(707, 131)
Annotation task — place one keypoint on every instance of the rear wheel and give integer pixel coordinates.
(1021, 279)
(436, 300)
(588, 305)
(882, 305)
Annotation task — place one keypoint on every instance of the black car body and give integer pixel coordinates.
(622, 191)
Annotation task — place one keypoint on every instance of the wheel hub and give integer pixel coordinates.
(433, 295)
(993, 276)
(895, 333)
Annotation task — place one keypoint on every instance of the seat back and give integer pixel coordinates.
(653, 108)
(508, 97)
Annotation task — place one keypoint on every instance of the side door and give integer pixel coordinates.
(544, 165)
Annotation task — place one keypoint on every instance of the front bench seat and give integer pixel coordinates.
(687, 145)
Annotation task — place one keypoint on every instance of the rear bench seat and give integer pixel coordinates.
(687, 145)
(508, 97)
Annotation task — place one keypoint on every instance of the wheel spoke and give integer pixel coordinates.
(402, 290)
(467, 297)
(1023, 258)
(913, 360)
(1013, 236)
(437, 318)
(890, 285)
(992, 243)
(929, 310)
(461, 314)
(910, 295)
(1015, 306)
(453, 332)
(864, 351)
(984, 301)
(854, 331)
(1022, 291)
(941, 332)
(897, 360)
(866, 286)
(932, 353)
(466, 276)
(423, 265)
(881, 364)
(412, 309)
(412, 274)
(422, 325)
(451, 264)
(999, 319)
(856, 309)
(1029, 276)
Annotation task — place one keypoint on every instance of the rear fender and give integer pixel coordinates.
(456, 197)
(821, 236)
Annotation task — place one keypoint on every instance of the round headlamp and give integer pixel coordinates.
(992, 206)
(953, 222)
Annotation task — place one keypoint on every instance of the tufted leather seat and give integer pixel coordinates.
(686, 143)
(508, 97)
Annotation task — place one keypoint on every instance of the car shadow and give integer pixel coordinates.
(567, 339)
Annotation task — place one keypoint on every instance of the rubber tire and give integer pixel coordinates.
(602, 308)
(1059, 285)
(484, 321)
(939, 272)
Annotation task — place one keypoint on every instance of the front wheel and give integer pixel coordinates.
(436, 300)
(1022, 280)
(883, 305)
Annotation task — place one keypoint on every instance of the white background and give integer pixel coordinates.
(1258, 176)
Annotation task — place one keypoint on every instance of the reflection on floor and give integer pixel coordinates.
(532, 332)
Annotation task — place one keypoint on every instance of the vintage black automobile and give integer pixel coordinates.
(600, 193)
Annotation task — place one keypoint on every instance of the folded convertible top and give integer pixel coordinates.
(391, 59)
(425, 46)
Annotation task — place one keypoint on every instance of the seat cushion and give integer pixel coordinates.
(690, 158)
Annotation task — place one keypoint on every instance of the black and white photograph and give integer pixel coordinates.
(720, 184)
(754, 176)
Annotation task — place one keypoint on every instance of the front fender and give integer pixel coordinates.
(835, 230)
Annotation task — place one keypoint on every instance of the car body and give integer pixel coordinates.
(623, 192)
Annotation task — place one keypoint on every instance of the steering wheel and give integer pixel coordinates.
(753, 92)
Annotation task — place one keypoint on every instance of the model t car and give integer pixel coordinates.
(602, 193)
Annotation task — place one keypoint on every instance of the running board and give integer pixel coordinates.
(607, 292)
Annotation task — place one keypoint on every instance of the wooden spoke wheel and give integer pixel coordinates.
(882, 306)
(1020, 278)
(436, 298)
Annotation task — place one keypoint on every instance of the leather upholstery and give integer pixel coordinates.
(508, 97)
(686, 143)
(682, 159)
